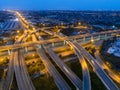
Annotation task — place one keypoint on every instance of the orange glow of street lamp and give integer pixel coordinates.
(43, 24)
(33, 55)
(62, 23)
(18, 31)
(92, 40)
(79, 23)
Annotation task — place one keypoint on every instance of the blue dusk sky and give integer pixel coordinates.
(60, 4)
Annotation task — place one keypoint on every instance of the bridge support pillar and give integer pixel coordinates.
(105, 36)
(74, 40)
(92, 39)
(40, 46)
(53, 44)
(64, 42)
(26, 49)
(9, 52)
(84, 39)
(98, 37)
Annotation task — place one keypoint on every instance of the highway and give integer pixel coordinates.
(86, 76)
(85, 71)
(99, 71)
(109, 32)
(19, 69)
(41, 42)
(22, 77)
(67, 71)
(60, 82)
(101, 74)
(111, 73)
(110, 85)
(23, 80)
(10, 72)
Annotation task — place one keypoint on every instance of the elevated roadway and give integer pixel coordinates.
(10, 72)
(67, 71)
(110, 85)
(17, 65)
(85, 71)
(99, 71)
(22, 77)
(86, 77)
(60, 82)
(43, 42)
(111, 73)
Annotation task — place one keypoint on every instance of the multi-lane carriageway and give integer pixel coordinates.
(60, 82)
(96, 36)
(72, 75)
(101, 74)
(110, 85)
(17, 66)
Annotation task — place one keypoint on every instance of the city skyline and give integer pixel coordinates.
(60, 5)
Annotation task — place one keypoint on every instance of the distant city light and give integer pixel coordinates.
(92, 40)
(113, 26)
(18, 31)
(79, 23)
(16, 19)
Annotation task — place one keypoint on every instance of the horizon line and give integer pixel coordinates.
(60, 10)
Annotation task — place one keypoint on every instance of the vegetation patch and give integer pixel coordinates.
(44, 83)
(76, 68)
(35, 67)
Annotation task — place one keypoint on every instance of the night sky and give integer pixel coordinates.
(60, 4)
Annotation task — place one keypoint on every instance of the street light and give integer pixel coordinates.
(62, 23)
(43, 25)
(79, 23)
(18, 31)
(56, 27)
(33, 55)
(92, 40)
(16, 37)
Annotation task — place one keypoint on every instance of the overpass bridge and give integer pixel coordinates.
(79, 38)
(80, 51)
(110, 85)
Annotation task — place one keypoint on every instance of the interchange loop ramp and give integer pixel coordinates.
(110, 85)
(68, 72)
(60, 82)
(85, 71)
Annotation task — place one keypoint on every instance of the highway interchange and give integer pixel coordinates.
(17, 64)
